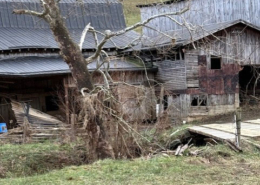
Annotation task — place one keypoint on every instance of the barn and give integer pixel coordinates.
(211, 66)
(31, 69)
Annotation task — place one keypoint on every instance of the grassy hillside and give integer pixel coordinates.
(132, 13)
(216, 165)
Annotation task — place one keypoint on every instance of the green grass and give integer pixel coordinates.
(216, 165)
(30, 159)
(132, 13)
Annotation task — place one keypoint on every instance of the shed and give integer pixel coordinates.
(30, 66)
(209, 70)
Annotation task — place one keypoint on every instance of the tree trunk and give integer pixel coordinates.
(69, 50)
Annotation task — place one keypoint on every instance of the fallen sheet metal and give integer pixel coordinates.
(226, 131)
(215, 134)
(35, 117)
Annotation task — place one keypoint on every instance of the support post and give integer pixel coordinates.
(73, 118)
(26, 124)
(161, 104)
(66, 88)
(238, 126)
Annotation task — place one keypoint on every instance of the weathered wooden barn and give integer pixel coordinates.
(30, 66)
(208, 58)
(207, 71)
(201, 13)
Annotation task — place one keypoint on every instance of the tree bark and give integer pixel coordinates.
(69, 50)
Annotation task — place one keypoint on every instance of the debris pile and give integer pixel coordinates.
(33, 126)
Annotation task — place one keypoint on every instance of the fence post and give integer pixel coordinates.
(238, 126)
(73, 119)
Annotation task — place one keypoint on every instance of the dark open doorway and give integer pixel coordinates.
(249, 83)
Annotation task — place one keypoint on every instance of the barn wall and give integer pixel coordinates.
(135, 92)
(172, 74)
(181, 108)
(202, 12)
(138, 103)
(23, 89)
(237, 46)
(131, 77)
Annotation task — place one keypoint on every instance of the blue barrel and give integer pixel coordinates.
(3, 128)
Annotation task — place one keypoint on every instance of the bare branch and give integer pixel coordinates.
(109, 34)
(128, 45)
(83, 35)
(108, 65)
(139, 24)
(105, 79)
(174, 20)
(99, 47)
(35, 13)
(94, 33)
(189, 30)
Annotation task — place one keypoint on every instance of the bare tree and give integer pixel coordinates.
(71, 52)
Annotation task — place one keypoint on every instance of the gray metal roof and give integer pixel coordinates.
(102, 14)
(25, 31)
(184, 37)
(35, 66)
(11, 38)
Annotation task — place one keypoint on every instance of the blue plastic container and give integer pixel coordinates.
(3, 128)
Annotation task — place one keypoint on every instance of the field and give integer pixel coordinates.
(216, 165)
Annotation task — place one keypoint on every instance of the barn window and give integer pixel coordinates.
(199, 100)
(51, 103)
(215, 62)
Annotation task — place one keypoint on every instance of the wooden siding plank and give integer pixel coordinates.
(203, 12)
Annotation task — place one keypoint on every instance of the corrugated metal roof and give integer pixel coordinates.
(184, 36)
(102, 14)
(25, 31)
(29, 66)
(11, 38)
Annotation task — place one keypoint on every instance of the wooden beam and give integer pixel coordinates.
(67, 111)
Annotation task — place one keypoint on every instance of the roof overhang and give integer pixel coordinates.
(49, 66)
(185, 37)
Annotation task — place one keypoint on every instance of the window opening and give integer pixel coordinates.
(194, 101)
(199, 100)
(215, 62)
